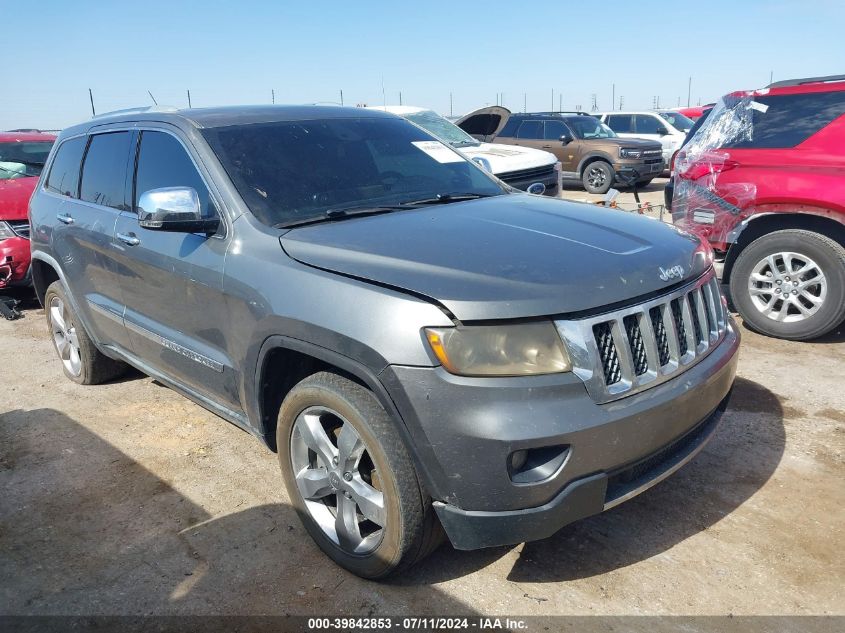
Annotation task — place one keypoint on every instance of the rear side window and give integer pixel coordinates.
(554, 130)
(620, 123)
(647, 124)
(789, 120)
(64, 174)
(104, 171)
(163, 162)
(530, 130)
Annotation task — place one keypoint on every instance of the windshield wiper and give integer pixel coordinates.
(444, 198)
(340, 214)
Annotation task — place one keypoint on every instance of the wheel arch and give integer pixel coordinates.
(591, 158)
(284, 361)
(43, 274)
(756, 226)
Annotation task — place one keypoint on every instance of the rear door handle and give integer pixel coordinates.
(129, 239)
(64, 218)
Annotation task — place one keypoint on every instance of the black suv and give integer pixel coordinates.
(589, 151)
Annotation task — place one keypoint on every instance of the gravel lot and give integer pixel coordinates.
(129, 499)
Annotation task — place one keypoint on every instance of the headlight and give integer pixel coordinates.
(6, 231)
(522, 349)
(625, 152)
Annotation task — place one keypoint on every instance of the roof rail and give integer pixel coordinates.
(807, 80)
(140, 110)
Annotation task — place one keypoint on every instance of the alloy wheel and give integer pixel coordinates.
(787, 287)
(338, 480)
(65, 337)
(596, 177)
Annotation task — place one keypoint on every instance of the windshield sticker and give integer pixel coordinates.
(760, 107)
(438, 151)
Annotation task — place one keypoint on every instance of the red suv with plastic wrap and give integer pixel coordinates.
(763, 179)
(22, 156)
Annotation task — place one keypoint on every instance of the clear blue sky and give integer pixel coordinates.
(237, 51)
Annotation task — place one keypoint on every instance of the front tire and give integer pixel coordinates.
(351, 479)
(790, 284)
(598, 177)
(82, 362)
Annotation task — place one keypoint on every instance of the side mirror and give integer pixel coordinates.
(663, 132)
(483, 163)
(174, 209)
(565, 139)
(537, 189)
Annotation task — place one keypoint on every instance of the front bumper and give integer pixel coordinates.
(14, 262)
(471, 426)
(645, 170)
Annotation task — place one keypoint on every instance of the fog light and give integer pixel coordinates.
(536, 464)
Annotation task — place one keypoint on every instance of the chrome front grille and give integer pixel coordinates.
(20, 227)
(623, 352)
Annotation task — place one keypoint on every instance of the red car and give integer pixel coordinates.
(22, 157)
(694, 112)
(763, 179)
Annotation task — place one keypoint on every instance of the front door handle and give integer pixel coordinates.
(64, 218)
(129, 239)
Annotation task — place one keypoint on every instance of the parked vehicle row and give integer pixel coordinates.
(589, 151)
(385, 315)
(667, 128)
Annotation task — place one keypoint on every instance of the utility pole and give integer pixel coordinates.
(771, 76)
(400, 97)
(383, 95)
(679, 102)
(525, 102)
(689, 90)
(560, 102)
(91, 97)
(272, 96)
(594, 105)
(341, 96)
(621, 101)
(553, 99)
(189, 98)
(613, 98)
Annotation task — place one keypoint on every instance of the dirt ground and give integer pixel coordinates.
(129, 499)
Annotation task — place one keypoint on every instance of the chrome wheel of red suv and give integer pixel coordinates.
(787, 287)
(790, 284)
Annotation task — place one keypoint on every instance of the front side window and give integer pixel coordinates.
(620, 123)
(648, 124)
(442, 128)
(64, 173)
(23, 159)
(530, 130)
(678, 121)
(554, 130)
(163, 162)
(294, 171)
(587, 127)
(104, 170)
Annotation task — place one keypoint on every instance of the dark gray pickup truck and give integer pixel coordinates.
(424, 347)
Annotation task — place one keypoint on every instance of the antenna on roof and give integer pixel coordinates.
(152, 97)
(91, 97)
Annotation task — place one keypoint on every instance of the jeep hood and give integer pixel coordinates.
(504, 257)
(14, 197)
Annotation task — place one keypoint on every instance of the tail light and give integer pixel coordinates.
(702, 165)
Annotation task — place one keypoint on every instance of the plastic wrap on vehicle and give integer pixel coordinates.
(706, 195)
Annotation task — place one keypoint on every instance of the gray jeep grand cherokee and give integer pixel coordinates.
(425, 348)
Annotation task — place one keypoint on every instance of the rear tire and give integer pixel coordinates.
(82, 362)
(387, 522)
(598, 177)
(806, 267)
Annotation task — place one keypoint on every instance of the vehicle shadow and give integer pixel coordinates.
(741, 457)
(87, 530)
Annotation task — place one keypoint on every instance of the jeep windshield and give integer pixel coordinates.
(23, 159)
(289, 172)
(587, 127)
(442, 128)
